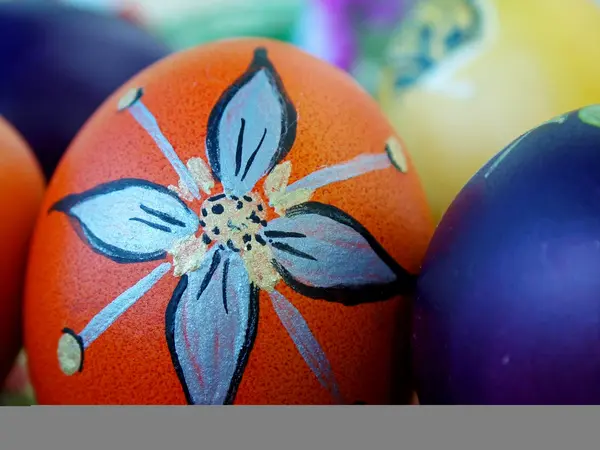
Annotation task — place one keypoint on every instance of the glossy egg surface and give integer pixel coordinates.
(507, 309)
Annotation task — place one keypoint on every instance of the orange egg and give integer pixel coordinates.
(238, 224)
(21, 189)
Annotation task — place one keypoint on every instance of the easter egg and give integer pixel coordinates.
(21, 189)
(507, 303)
(59, 63)
(238, 224)
(463, 77)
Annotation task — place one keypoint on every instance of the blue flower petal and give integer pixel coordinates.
(211, 325)
(251, 128)
(322, 252)
(129, 220)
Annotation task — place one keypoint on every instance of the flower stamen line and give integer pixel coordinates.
(107, 316)
(132, 101)
(360, 165)
(306, 343)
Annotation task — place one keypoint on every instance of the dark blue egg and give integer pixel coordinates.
(59, 64)
(508, 303)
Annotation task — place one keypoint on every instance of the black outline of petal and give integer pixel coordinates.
(354, 295)
(245, 351)
(289, 117)
(66, 204)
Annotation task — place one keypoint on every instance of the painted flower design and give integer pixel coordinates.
(238, 240)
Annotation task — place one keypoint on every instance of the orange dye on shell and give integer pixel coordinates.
(21, 189)
(349, 354)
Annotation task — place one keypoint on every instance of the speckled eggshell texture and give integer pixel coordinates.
(238, 224)
(21, 190)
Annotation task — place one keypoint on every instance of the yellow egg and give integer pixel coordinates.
(465, 77)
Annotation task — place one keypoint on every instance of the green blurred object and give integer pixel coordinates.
(17, 390)
(212, 21)
(10, 399)
(370, 58)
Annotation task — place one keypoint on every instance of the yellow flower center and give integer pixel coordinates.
(233, 221)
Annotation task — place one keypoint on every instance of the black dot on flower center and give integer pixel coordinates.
(239, 205)
(260, 207)
(253, 217)
(217, 209)
(204, 212)
(231, 246)
(214, 198)
(247, 238)
(216, 230)
(247, 198)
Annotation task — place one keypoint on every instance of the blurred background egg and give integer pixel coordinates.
(465, 76)
(21, 189)
(59, 63)
(507, 308)
(212, 236)
(350, 34)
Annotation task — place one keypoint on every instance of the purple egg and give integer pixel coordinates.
(508, 302)
(59, 64)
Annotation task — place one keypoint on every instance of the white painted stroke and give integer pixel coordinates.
(107, 316)
(145, 118)
(360, 165)
(306, 343)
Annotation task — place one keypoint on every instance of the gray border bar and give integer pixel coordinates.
(288, 428)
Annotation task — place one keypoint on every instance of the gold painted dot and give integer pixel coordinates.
(69, 354)
(396, 154)
(130, 97)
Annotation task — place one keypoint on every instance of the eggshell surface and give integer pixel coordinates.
(238, 224)
(21, 190)
(507, 303)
